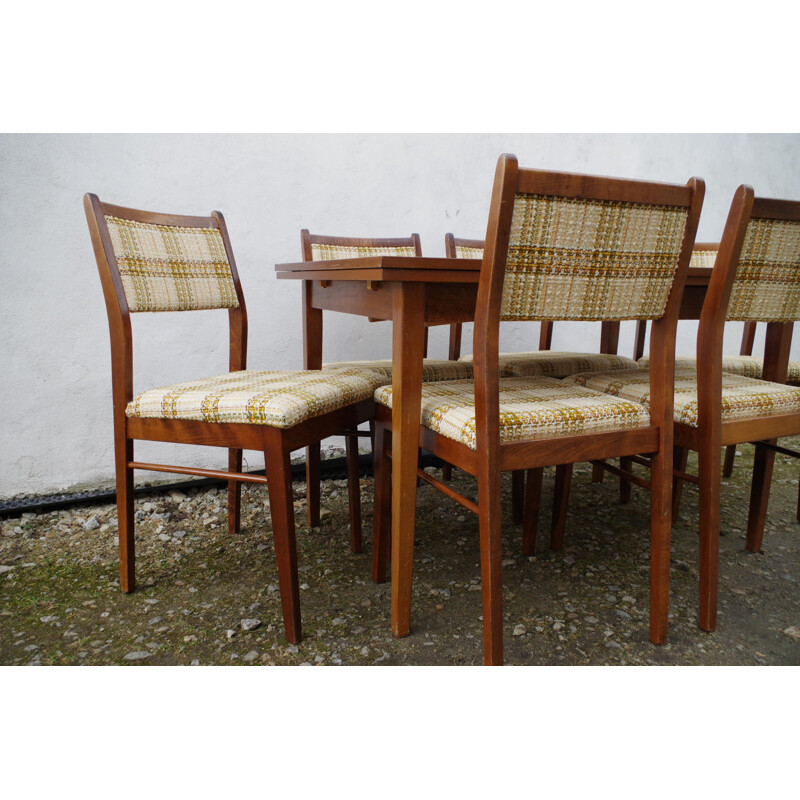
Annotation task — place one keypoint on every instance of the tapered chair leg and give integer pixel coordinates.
(312, 484)
(530, 520)
(598, 473)
(517, 496)
(759, 497)
(624, 484)
(680, 457)
(234, 492)
(660, 533)
(489, 516)
(382, 504)
(447, 472)
(730, 456)
(125, 521)
(709, 501)
(279, 484)
(354, 492)
(560, 505)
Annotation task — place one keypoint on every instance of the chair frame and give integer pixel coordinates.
(492, 457)
(276, 443)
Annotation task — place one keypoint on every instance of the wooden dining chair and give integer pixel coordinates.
(573, 247)
(152, 262)
(756, 278)
(318, 247)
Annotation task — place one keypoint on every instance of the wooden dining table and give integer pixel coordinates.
(412, 292)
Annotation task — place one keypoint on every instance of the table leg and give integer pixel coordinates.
(312, 359)
(408, 335)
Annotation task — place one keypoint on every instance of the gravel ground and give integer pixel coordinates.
(205, 597)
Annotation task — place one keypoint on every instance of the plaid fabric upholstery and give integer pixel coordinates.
(432, 369)
(530, 408)
(749, 366)
(328, 252)
(171, 269)
(741, 397)
(554, 364)
(703, 259)
(767, 283)
(589, 259)
(468, 252)
(277, 399)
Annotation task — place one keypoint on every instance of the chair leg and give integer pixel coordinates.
(517, 496)
(447, 472)
(730, 455)
(759, 497)
(624, 484)
(530, 520)
(489, 516)
(354, 492)
(382, 504)
(279, 484)
(560, 505)
(234, 492)
(598, 473)
(312, 484)
(125, 521)
(660, 532)
(709, 502)
(680, 458)
(798, 503)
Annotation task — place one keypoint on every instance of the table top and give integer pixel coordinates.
(385, 268)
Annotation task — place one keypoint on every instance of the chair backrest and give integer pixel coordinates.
(577, 247)
(756, 279)
(460, 248)
(162, 262)
(318, 247)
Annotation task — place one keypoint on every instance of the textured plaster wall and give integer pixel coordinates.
(54, 354)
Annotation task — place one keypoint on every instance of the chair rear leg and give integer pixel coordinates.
(598, 473)
(382, 504)
(234, 492)
(730, 456)
(490, 523)
(759, 496)
(624, 484)
(312, 484)
(530, 521)
(560, 505)
(125, 521)
(354, 492)
(680, 457)
(279, 484)
(660, 533)
(517, 496)
(447, 472)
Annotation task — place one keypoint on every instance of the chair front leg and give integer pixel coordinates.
(123, 455)
(353, 491)
(660, 533)
(382, 503)
(234, 492)
(279, 484)
(490, 522)
(709, 502)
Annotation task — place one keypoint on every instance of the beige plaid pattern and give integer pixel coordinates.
(703, 259)
(277, 399)
(555, 364)
(432, 369)
(589, 259)
(749, 366)
(329, 252)
(166, 268)
(767, 283)
(530, 408)
(741, 397)
(468, 252)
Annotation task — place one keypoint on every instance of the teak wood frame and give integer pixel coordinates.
(276, 444)
(491, 458)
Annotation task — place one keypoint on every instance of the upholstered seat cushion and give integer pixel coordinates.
(278, 399)
(742, 397)
(749, 366)
(432, 369)
(554, 364)
(530, 408)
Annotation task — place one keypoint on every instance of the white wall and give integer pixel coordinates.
(55, 365)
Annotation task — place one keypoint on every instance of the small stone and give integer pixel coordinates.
(179, 535)
(622, 614)
(325, 514)
(792, 631)
(338, 621)
(626, 598)
(154, 621)
(49, 618)
(195, 662)
(613, 645)
(177, 497)
(520, 630)
(250, 624)
(251, 656)
(91, 524)
(557, 626)
(569, 560)
(136, 655)
(611, 598)
(4, 568)
(151, 600)
(230, 633)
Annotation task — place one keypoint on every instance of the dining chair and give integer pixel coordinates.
(543, 363)
(572, 247)
(755, 278)
(154, 262)
(318, 247)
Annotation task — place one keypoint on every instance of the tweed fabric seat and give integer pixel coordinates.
(432, 369)
(280, 399)
(557, 364)
(530, 408)
(742, 397)
(748, 366)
